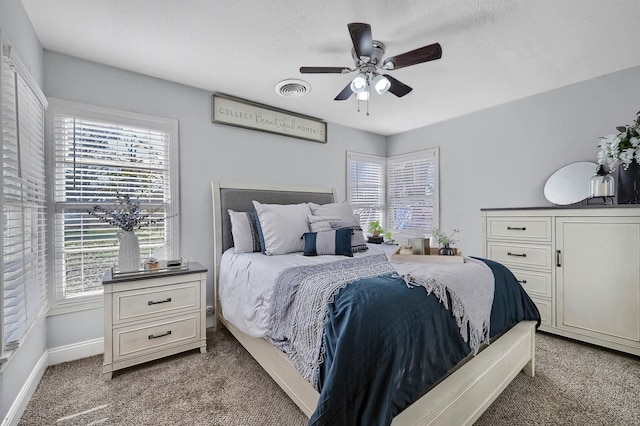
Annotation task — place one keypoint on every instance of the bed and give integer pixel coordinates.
(459, 398)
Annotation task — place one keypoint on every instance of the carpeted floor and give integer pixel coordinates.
(575, 384)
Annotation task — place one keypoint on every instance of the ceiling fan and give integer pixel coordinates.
(367, 55)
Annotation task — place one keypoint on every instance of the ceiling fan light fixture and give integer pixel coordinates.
(364, 95)
(381, 84)
(359, 83)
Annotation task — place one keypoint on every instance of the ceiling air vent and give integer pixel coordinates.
(292, 88)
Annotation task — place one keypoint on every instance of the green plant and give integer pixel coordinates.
(375, 228)
(443, 239)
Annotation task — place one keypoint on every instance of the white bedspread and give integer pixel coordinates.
(245, 295)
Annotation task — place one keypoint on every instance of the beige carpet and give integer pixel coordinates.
(575, 384)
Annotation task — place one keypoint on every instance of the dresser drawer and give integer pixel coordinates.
(534, 256)
(546, 311)
(149, 302)
(534, 283)
(519, 228)
(140, 339)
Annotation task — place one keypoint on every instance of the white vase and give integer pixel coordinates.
(129, 252)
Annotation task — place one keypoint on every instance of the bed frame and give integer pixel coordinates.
(459, 399)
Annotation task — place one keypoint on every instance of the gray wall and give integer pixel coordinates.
(207, 152)
(17, 29)
(502, 156)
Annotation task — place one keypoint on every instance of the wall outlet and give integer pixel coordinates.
(209, 310)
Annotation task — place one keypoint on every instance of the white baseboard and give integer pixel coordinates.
(50, 357)
(76, 351)
(24, 396)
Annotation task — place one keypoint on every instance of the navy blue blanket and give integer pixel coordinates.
(385, 345)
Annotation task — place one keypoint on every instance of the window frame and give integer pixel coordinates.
(29, 191)
(430, 155)
(170, 126)
(382, 206)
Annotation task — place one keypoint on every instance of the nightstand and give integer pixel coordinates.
(153, 315)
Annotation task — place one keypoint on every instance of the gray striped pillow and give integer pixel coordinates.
(244, 229)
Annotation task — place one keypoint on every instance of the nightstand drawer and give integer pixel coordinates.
(533, 256)
(519, 228)
(148, 302)
(534, 283)
(140, 339)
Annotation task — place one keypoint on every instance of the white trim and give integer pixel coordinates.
(62, 106)
(60, 306)
(24, 396)
(53, 356)
(430, 154)
(22, 69)
(83, 304)
(76, 351)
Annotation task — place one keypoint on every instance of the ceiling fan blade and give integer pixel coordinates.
(417, 56)
(345, 94)
(362, 40)
(324, 70)
(397, 87)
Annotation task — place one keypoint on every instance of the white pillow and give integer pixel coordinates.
(321, 223)
(282, 226)
(245, 232)
(342, 210)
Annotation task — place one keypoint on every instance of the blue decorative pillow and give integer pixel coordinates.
(358, 244)
(336, 242)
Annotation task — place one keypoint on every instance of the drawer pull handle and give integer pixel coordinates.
(513, 228)
(558, 259)
(151, 302)
(155, 336)
(516, 254)
(522, 281)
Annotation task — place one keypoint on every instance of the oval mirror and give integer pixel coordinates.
(570, 184)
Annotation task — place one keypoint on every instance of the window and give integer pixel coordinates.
(412, 193)
(100, 154)
(400, 192)
(23, 278)
(366, 181)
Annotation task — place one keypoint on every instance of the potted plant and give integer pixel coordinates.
(127, 216)
(624, 148)
(375, 228)
(445, 241)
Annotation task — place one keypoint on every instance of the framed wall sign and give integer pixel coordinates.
(251, 115)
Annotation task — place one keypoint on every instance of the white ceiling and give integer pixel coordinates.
(494, 51)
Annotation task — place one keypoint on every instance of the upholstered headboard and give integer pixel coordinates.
(239, 197)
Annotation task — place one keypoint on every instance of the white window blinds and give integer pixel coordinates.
(23, 201)
(100, 154)
(366, 181)
(413, 193)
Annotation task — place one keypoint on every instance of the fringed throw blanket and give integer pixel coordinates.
(470, 286)
(299, 306)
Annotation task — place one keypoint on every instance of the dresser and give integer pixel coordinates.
(153, 315)
(581, 267)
